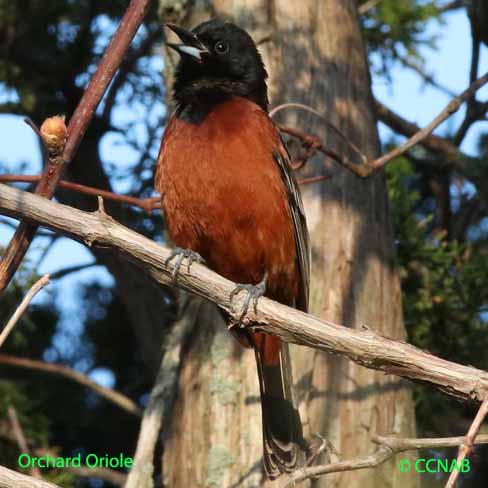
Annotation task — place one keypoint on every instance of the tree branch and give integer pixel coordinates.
(147, 204)
(364, 168)
(375, 459)
(434, 143)
(76, 130)
(428, 78)
(58, 369)
(9, 478)
(388, 447)
(471, 115)
(466, 445)
(36, 287)
(451, 108)
(364, 347)
(20, 438)
(453, 5)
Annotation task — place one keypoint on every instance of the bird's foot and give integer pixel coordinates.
(180, 254)
(254, 293)
(318, 446)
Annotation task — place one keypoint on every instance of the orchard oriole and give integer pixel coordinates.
(228, 193)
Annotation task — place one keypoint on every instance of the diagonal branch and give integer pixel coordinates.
(439, 145)
(36, 287)
(361, 166)
(427, 77)
(466, 445)
(364, 347)
(451, 108)
(58, 369)
(77, 127)
(20, 438)
(9, 478)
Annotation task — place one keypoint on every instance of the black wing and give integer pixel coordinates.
(302, 240)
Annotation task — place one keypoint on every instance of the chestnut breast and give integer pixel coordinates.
(223, 196)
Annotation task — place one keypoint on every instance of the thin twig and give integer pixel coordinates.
(365, 168)
(364, 347)
(310, 140)
(147, 204)
(453, 5)
(113, 396)
(428, 78)
(313, 179)
(451, 108)
(401, 444)
(61, 273)
(468, 442)
(375, 459)
(20, 438)
(388, 447)
(446, 149)
(77, 127)
(342, 159)
(470, 115)
(37, 286)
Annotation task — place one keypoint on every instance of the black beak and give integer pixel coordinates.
(192, 46)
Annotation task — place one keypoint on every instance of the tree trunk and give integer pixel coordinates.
(314, 55)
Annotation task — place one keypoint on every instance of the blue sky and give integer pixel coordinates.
(407, 94)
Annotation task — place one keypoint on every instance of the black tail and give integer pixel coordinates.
(284, 446)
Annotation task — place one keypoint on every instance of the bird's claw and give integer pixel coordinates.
(180, 254)
(317, 447)
(254, 293)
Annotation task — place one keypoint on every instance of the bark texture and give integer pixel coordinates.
(314, 55)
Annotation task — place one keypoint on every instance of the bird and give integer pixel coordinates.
(229, 197)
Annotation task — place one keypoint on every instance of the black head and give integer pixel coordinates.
(218, 61)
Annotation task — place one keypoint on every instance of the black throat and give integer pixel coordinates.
(195, 100)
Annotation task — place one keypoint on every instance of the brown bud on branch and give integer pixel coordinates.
(54, 133)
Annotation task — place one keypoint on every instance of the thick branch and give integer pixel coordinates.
(364, 347)
(9, 478)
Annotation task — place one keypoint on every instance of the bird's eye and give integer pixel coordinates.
(221, 47)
